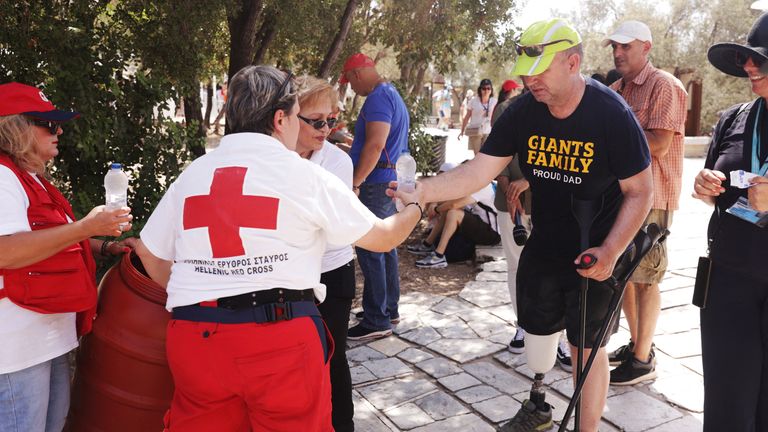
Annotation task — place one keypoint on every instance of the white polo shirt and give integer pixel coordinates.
(251, 216)
(29, 338)
(337, 162)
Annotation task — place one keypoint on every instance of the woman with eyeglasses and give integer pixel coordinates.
(734, 317)
(318, 101)
(238, 240)
(476, 124)
(47, 272)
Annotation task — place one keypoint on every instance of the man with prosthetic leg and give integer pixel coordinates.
(575, 138)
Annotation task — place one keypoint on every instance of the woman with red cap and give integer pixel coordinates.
(47, 283)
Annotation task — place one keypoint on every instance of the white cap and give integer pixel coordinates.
(447, 167)
(629, 31)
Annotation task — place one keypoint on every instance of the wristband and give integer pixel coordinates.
(104, 246)
(421, 211)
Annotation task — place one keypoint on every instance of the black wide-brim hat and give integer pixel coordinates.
(723, 55)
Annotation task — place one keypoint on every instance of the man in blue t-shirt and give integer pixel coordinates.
(576, 139)
(381, 134)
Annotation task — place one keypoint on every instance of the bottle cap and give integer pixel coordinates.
(116, 166)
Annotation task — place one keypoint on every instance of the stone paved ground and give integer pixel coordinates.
(446, 368)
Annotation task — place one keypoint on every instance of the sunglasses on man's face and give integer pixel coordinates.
(319, 124)
(741, 60)
(538, 49)
(53, 127)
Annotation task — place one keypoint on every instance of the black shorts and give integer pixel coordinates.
(548, 298)
(473, 228)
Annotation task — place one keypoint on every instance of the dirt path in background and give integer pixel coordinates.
(446, 282)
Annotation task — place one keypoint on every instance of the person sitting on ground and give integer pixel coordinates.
(473, 216)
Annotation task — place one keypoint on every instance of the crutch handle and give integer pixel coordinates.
(586, 261)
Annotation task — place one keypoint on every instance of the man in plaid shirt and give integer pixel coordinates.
(658, 100)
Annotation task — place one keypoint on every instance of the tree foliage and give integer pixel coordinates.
(85, 61)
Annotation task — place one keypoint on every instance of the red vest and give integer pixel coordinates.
(64, 282)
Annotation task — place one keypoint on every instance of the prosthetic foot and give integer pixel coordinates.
(536, 413)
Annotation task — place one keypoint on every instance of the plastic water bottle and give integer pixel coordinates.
(116, 187)
(406, 175)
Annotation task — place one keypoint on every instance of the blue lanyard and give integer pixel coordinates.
(756, 144)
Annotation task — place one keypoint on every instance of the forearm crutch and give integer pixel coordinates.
(585, 212)
(643, 242)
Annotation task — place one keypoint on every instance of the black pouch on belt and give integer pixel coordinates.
(701, 288)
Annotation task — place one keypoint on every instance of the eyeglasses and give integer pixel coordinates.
(538, 49)
(282, 88)
(485, 88)
(741, 60)
(319, 124)
(53, 127)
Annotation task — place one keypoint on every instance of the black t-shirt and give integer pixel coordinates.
(736, 243)
(584, 156)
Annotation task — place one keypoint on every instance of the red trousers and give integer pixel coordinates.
(249, 377)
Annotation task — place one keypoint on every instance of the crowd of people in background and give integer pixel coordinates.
(553, 140)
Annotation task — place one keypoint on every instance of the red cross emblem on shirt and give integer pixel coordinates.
(225, 210)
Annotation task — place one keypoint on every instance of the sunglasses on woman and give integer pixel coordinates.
(53, 127)
(319, 124)
(741, 60)
(537, 49)
(485, 88)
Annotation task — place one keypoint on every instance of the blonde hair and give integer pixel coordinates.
(313, 90)
(17, 140)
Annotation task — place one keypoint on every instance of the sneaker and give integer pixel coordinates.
(517, 344)
(633, 371)
(564, 356)
(621, 353)
(432, 261)
(529, 418)
(360, 333)
(359, 316)
(420, 248)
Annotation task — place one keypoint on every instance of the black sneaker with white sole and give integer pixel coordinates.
(517, 344)
(360, 333)
(632, 371)
(529, 419)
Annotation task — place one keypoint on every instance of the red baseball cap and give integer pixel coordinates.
(355, 61)
(17, 98)
(510, 85)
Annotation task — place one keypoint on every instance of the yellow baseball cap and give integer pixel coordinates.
(540, 42)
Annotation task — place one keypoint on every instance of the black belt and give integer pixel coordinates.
(257, 298)
(385, 165)
(270, 312)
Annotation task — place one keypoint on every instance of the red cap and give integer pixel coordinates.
(510, 85)
(355, 61)
(16, 98)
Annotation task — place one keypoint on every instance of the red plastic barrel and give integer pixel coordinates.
(122, 381)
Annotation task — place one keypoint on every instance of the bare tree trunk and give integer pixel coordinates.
(208, 104)
(338, 42)
(419, 80)
(193, 113)
(242, 34)
(265, 36)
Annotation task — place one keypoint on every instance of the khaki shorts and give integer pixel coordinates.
(653, 266)
(476, 141)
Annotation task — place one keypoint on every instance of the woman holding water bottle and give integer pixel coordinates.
(47, 280)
